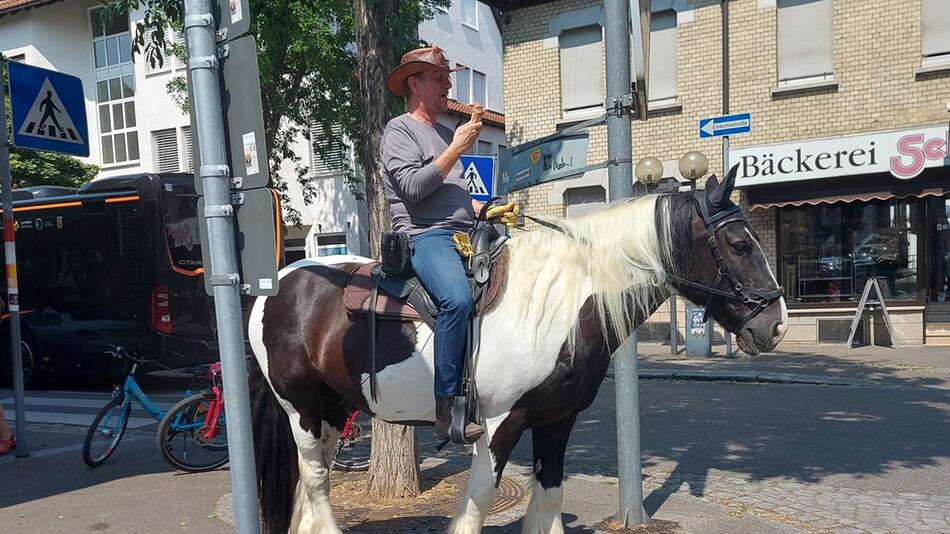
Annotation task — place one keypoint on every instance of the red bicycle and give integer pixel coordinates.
(352, 451)
(193, 434)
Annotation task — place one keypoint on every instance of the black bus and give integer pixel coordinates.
(118, 261)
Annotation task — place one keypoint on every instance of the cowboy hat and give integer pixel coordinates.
(414, 62)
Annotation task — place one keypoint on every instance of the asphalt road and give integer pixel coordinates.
(885, 438)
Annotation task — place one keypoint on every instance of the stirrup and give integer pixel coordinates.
(460, 422)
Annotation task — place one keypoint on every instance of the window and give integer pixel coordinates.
(581, 69)
(470, 13)
(173, 41)
(484, 148)
(294, 249)
(332, 159)
(463, 85)
(165, 150)
(829, 251)
(19, 58)
(581, 200)
(331, 244)
(115, 88)
(479, 88)
(663, 56)
(936, 30)
(187, 150)
(804, 40)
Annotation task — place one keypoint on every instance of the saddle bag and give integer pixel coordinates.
(396, 252)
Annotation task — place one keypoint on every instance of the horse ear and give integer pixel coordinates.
(718, 193)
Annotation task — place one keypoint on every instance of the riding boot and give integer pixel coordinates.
(443, 422)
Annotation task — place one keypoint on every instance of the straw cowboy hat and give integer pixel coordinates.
(414, 62)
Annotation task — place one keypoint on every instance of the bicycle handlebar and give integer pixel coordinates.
(117, 351)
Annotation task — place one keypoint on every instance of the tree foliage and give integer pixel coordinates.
(308, 72)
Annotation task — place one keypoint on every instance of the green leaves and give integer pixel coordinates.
(30, 168)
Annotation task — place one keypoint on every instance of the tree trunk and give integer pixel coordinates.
(394, 469)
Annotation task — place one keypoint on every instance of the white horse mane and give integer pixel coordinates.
(617, 254)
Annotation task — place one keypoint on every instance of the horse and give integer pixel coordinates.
(573, 292)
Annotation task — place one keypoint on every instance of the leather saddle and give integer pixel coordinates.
(405, 299)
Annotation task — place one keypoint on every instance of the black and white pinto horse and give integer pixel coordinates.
(572, 294)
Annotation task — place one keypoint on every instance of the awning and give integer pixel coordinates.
(883, 186)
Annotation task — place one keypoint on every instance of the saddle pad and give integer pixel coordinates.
(356, 294)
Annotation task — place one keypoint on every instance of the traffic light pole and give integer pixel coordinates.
(13, 297)
(620, 175)
(215, 176)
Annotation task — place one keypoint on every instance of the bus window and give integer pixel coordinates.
(181, 232)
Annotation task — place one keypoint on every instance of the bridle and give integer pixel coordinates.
(755, 298)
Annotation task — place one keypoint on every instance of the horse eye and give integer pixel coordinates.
(740, 247)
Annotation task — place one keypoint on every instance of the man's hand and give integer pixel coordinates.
(467, 134)
(506, 214)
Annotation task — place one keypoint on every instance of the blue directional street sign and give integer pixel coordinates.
(49, 110)
(725, 125)
(478, 173)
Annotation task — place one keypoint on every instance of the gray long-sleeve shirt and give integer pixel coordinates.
(419, 198)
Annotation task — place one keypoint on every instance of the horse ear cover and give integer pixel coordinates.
(717, 194)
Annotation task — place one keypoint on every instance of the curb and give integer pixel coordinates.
(765, 377)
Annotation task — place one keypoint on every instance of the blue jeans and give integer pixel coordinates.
(439, 268)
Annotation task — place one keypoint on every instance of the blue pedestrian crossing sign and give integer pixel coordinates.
(479, 173)
(49, 110)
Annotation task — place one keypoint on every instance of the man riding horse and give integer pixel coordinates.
(429, 201)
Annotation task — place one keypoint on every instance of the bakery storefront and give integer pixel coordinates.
(849, 208)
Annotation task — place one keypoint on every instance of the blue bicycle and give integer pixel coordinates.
(109, 425)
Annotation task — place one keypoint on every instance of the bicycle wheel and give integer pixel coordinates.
(186, 442)
(106, 431)
(352, 452)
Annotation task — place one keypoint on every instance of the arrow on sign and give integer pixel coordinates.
(725, 125)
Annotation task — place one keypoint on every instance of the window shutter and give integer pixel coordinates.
(165, 150)
(179, 39)
(187, 148)
(936, 27)
(805, 37)
(581, 200)
(581, 68)
(663, 56)
(484, 148)
(332, 163)
(479, 88)
(463, 86)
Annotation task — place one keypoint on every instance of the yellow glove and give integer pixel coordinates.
(497, 211)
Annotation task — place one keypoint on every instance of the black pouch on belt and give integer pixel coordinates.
(396, 254)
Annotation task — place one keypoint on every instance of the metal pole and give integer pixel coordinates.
(620, 173)
(13, 297)
(725, 111)
(674, 328)
(215, 180)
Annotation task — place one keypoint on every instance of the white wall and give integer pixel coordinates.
(479, 49)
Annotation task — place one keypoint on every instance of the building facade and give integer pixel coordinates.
(845, 174)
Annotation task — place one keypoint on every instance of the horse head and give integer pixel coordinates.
(722, 266)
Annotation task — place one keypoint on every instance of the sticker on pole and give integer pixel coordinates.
(478, 174)
(49, 110)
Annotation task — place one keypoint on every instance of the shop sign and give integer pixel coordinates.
(904, 154)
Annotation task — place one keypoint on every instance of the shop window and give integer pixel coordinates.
(581, 200)
(663, 57)
(939, 222)
(935, 38)
(581, 69)
(829, 251)
(805, 41)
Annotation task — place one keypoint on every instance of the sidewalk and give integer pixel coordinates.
(918, 366)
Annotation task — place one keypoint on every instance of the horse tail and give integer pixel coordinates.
(275, 454)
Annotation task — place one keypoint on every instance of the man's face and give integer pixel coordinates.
(432, 89)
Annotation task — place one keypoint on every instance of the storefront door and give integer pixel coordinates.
(938, 291)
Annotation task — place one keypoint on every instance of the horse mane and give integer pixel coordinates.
(620, 254)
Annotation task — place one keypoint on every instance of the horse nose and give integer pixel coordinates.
(780, 330)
